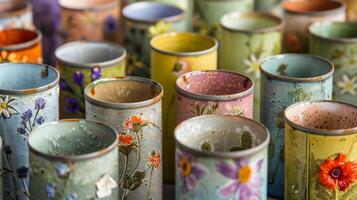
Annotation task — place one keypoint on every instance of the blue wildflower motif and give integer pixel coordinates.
(51, 190)
(40, 103)
(72, 196)
(63, 170)
(40, 120)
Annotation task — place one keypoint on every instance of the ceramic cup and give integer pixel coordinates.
(301, 13)
(287, 79)
(143, 21)
(271, 6)
(28, 97)
(213, 92)
(73, 159)
(172, 55)
(20, 46)
(321, 150)
(245, 40)
(209, 12)
(133, 106)
(338, 41)
(15, 14)
(221, 157)
(96, 20)
(81, 63)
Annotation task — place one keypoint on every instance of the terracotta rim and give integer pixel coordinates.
(336, 132)
(332, 39)
(25, 7)
(95, 7)
(23, 45)
(227, 97)
(129, 105)
(278, 27)
(222, 155)
(300, 80)
(340, 8)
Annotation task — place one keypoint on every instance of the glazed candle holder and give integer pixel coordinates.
(28, 98)
(81, 63)
(143, 21)
(255, 36)
(20, 46)
(301, 13)
(96, 20)
(15, 14)
(287, 79)
(321, 150)
(221, 157)
(133, 106)
(73, 159)
(337, 41)
(213, 92)
(172, 55)
(209, 12)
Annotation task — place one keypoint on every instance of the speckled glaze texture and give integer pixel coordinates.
(15, 15)
(28, 97)
(338, 42)
(255, 36)
(320, 151)
(301, 13)
(172, 55)
(74, 159)
(221, 157)
(132, 105)
(81, 63)
(287, 79)
(213, 92)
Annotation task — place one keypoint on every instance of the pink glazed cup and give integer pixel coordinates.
(214, 92)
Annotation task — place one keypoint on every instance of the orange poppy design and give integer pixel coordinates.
(126, 139)
(155, 160)
(339, 173)
(134, 121)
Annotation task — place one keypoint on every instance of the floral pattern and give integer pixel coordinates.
(253, 64)
(348, 85)
(105, 185)
(160, 28)
(12, 57)
(6, 106)
(181, 67)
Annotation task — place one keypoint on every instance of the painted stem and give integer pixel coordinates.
(27, 194)
(125, 167)
(149, 186)
(34, 119)
(139, 154)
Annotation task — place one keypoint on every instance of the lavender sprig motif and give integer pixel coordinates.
(28, 120)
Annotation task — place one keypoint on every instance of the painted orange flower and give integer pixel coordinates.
(293, 42)
(154, 160)
(126, 139)
(181, 67)
(135, 122)
(338, 172)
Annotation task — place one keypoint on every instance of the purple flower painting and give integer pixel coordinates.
(96, 73)
(78, 78)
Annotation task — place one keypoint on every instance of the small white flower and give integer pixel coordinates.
(105, 186)
(348, 85)
(6, 108)
(253, 64)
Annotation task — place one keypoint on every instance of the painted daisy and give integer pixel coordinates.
(105, 186)
(6, 106)
(348, 85)
(253, 64)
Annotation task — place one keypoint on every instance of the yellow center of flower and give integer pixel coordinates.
(185, 166)
(245, 174)
(4, 105)
(349, 85)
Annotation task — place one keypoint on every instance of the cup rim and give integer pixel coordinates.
(101, 6)
(86, 156)
(185, 54)
(336, 132)
(131, 105)
(36, 89)
(278, 27)
(220, 155)
(24, 6)
(104, 64)
(297, 80)
(342, 7)
(173, 18)
(22, 45)
(332, 39)
(225, 97)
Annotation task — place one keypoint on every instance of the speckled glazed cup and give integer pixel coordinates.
(15, 14)
(245, 40)
(81, 63)
(73, 159)
(321, 151)
(221, 157)
(132, 105)
(172, 55)
(301, 13)
(20, 46)
(143, 21)
(213, 92)
(287, 79)
(28, 97)
(338, 41)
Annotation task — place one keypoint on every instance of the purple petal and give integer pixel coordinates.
(241, 163)
(191, 182)
(198, 171)
(229, 189)
(259, 165)
(227, 170)
(245, 192)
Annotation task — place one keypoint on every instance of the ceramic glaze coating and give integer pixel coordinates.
(287, 79)
(313, 171)
(132, 105)
(300, 14)
(15, 14)
(28, 97)
(337, 41)
(73, 159)
(271, 6)
(81, 63)
(172, 55)
(245, 40)
(221, 157)
(213, 92)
